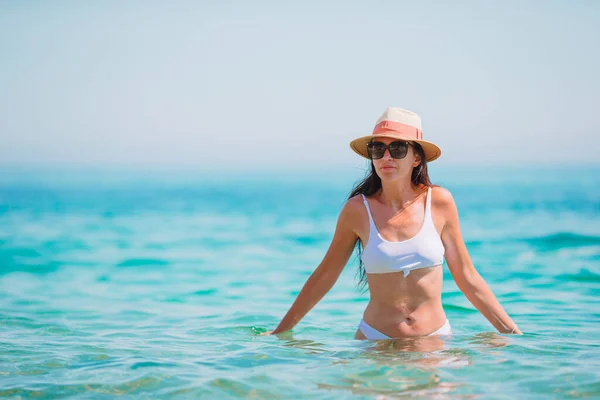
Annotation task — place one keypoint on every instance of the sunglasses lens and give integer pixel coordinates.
(398, 149)
(376, 150)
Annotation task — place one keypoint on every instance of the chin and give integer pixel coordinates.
(388, 174)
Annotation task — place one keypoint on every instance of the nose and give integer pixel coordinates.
(387, 155)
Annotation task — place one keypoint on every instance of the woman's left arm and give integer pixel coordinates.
(461, 267)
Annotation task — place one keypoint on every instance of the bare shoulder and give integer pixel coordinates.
(354, 207)
(353, 213)
(441, 197)
(442, 200)
(355, 201)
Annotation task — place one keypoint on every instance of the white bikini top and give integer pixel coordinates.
(423, 250)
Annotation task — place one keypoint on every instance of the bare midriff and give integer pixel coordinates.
(406, 306)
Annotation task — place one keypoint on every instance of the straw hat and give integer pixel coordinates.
(397, 123)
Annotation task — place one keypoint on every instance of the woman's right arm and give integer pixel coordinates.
(328, 271)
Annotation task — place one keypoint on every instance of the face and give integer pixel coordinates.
(390, 168)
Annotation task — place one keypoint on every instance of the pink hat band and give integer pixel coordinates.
(397, 127)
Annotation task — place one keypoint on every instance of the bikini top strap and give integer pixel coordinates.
(428, 204)
(371, 222)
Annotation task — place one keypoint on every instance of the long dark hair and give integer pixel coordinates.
(370, 185)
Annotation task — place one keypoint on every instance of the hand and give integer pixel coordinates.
(516, 331)
(266, 333)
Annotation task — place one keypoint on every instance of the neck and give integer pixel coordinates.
(398, 194)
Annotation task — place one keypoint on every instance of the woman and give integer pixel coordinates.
(403, 227)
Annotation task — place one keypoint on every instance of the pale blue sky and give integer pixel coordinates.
(289, 84)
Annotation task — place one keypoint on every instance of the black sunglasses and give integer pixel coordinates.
(397, 149)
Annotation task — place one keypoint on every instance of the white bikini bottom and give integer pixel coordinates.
(373, 334)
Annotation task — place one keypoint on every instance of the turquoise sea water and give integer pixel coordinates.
(156, 285)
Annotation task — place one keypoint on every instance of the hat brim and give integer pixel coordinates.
(359, 145)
